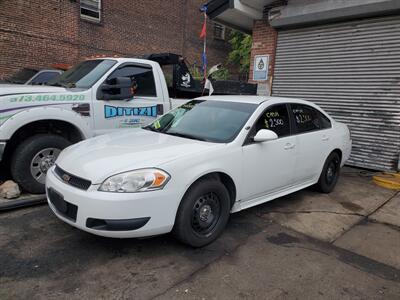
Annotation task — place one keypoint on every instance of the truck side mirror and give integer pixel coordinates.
(119, 88)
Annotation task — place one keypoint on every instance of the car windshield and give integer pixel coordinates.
(211, 121)
(84, 74)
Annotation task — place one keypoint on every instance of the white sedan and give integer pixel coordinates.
(189, 169)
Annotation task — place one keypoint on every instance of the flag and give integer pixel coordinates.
(208, 85)
(203, 35)
(204, 61)
(203, 30)
(203, 8)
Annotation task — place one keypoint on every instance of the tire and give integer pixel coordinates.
(203, 213)
(330, 174)
(36, 155)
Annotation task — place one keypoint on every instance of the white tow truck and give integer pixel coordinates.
(95, 97)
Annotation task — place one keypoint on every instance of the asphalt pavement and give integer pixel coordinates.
(304, 246)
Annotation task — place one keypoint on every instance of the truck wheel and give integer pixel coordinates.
(203, 213)
(33, 157)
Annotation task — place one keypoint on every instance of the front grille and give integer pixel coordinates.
(73, 180)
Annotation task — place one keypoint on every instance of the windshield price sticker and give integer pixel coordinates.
(302, 116)
(273, 119)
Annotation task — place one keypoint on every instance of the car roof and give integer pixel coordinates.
(250, 99)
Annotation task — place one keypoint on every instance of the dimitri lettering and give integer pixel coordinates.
(114, 111)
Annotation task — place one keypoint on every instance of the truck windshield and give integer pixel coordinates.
(211, 121)
(84, 74)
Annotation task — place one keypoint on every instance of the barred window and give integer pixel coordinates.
(91, 10)
(219, 31)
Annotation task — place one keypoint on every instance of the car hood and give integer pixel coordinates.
(99, 158)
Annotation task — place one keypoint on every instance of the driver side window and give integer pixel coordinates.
(141, 76)
(275, 118)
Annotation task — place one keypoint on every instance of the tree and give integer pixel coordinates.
(241, 51)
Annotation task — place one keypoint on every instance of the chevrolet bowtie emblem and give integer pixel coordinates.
(66, 178)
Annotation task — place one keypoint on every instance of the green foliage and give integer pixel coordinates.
(221, 74)
(196, 73)
(241, 51)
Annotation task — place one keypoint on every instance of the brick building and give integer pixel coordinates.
(39, 33)
(342, 55)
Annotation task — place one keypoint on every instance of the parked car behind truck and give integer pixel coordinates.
(94, 97)
(32, 76)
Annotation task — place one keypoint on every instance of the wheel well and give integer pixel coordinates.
(339, 152)
(62, 128)
(226, 180)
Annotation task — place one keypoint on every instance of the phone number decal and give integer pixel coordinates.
(48, 98)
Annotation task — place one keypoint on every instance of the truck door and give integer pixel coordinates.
(138, 111)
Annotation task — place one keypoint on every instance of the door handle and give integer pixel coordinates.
(325, 138)
(289, 146)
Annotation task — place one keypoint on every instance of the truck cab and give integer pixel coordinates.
(94, 97)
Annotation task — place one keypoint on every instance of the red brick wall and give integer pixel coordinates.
(264, 42)
(38, 33)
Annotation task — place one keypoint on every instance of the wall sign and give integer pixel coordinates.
(260, 67)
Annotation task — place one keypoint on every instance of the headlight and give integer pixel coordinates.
(136, 181)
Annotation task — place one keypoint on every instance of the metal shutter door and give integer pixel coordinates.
(352, 70)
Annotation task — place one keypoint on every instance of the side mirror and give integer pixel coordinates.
(119, 88)
(264, 135)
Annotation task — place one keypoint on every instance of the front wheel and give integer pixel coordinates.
(33, 157)
(330, 174)
(203, 213)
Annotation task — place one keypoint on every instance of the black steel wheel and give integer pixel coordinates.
(330, 173)
(203, 213)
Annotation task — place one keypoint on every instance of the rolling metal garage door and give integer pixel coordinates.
(352, 70)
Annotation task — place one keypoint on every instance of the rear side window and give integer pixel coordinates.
(141, 75)
(308, 118)
(325, 122)
(275, 118)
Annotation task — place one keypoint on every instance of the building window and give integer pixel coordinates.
(219, 31)
(91, 10)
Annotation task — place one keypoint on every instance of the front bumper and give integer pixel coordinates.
(119, 215)
(2, 148)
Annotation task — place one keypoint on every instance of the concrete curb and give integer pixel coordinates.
(22, 202)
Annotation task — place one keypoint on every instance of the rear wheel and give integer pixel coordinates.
(330, 174)
(33, 157)
(203, 213)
